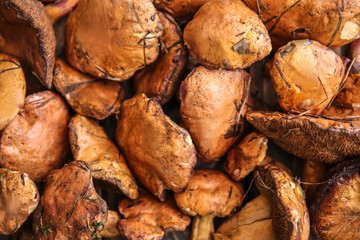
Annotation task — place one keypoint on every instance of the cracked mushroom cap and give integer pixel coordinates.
(162, 78)
(226, 34)
(36, 141)
(328, 139)
(87, 96)
(27, 34)
(70, 207)
(146, 218)
(210, 192)
(306, 76)
(159, 153)
(333, 23)
(335, 211)
(90, 143)
(289, 213)
(123, 37)
(19, 197)
(13, 88)
(180, 9)
(211, 104)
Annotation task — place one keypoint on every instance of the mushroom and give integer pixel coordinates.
(87, 96)
(180, 9)
(27, 34)
(36, 141)
(19, 197)
(70, 208)
(90, 143)
(146, 218)
(160, 153)
(212, 105)
(13, 88)
(210, 192)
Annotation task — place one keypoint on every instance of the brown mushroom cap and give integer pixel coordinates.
(226, 34)
(246, 156)
(306, 76)
(122, 39)
(180, 9)
(147, 218)
(210, 192)
(13, 88)
(70, 207)
(211, 101)
(90, 143)
(19, 197)
(313, 172)
(87, 96)
(333, 23)
(335, 211)
(287, 199)
(27, 34)
(314, 138)
(253, 221)
(161, 79)
(36, 141)
(159, 153)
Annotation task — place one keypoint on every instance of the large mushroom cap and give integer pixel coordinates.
(26, 33)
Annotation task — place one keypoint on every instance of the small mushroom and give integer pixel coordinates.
(161, 79)
(289, 213)
(146, 218)
(213, 103)
(123, 37)
(226, 34)
(210, 192)
(246, 156)
(87, 96)
(253, 221)
(90, 143)
(335, 211)
(306, 76)
(36, 141)
(19, 197)
(27, 34)
(160, 153)
(70, 207)
(13, 88)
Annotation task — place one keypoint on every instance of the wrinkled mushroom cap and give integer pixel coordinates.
(27, 34)
(36, 141)
(226, 34)
(210, 192)
(19, 197)
(160, 153)
(148, 218)
(13, 88)
(122, 39)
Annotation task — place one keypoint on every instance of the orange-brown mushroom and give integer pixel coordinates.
(36, 141)
(210, 192)
(180, 9)
(123, 37)
(212, 105)
(160, 153)
(146, 218)
(70, 207)
(161, 79)
(87, 96)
